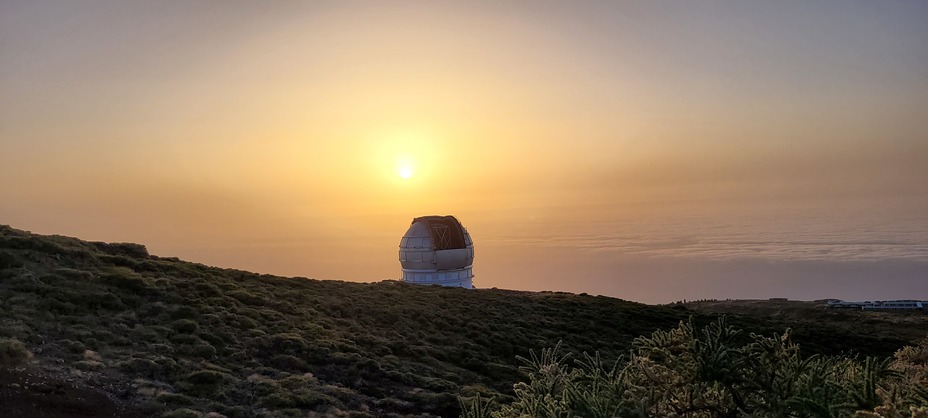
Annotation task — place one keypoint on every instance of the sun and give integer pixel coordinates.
(407, 168)
(405, 171)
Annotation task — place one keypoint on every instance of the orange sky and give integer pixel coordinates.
(269, 138)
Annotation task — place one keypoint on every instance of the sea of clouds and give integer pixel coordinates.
(664, 259)
(785, 239)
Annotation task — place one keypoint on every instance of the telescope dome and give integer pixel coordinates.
(437, 250)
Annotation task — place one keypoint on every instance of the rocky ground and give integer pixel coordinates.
(28, 392)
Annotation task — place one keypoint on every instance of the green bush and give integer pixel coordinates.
(205, 383)
(232, 411)
(138, 367)
(185, 326)
(90, 365)
(73, 346)
(182, 413)
(153, 368)
(13, 352)
(185, 312)
(706, 373)
(174, 399)
(201, 350)
(910, 397)
(8, 261)
(276, 400)
(247, 298)
(122, 248)
(289, 363)
(124, 280)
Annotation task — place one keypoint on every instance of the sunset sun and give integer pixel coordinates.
(405, 166)
(404, 171)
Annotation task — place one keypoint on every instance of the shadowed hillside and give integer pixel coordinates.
(162, 336)
(909, 325)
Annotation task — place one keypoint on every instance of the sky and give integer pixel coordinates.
(652, 151)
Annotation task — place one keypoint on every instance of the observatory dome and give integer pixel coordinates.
(437, 250)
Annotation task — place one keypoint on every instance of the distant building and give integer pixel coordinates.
(437, 250)
(879, 305)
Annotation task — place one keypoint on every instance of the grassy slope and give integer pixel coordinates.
(189, 335)
(806, 316)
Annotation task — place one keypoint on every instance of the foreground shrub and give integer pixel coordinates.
(909, 399)
(688, 373)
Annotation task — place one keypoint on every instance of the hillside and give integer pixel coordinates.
(160, 336)
(908, 325)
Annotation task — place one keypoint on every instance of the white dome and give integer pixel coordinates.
(437, 250)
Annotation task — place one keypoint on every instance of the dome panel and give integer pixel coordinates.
(453, 259)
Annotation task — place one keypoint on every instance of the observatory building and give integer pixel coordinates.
(437, 250)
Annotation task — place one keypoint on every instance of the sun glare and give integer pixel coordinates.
(405, 166)
(404, 171)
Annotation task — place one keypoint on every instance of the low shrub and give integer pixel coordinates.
(89, 365)
(185, 326)
(13, 352)
(124, 279)
(122, 248)
(140, 367)
(8, 261)
(182, 413)
(174, 399)
(205, 383)
(185, 312)
(73, 346)
(202, 350)
(289, 363)
(247, 298)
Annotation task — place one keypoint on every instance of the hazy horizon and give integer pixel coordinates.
(651, 151)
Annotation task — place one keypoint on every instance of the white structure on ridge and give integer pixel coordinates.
(437, 250)
(879, 304)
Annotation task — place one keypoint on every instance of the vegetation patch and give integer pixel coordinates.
(13, 352)
(686, 372)
(177, 337)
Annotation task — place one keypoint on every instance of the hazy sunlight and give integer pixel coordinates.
(405, 171)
